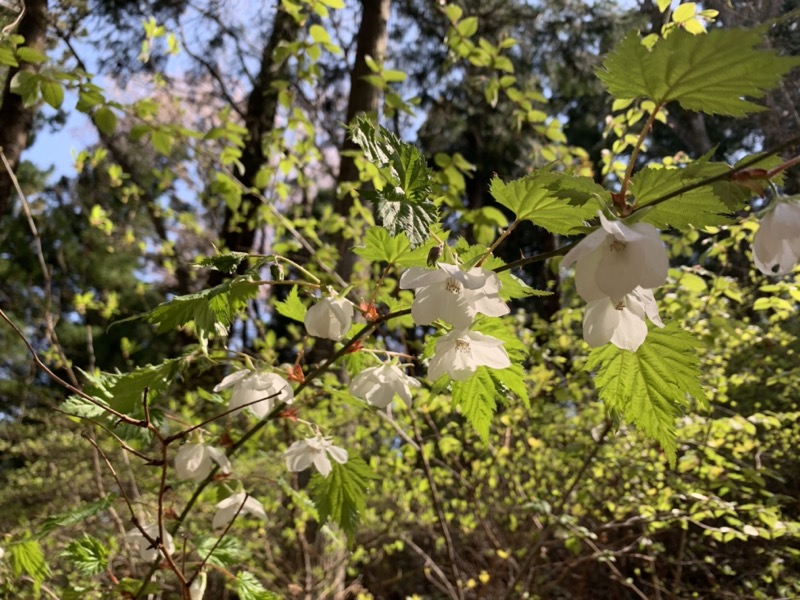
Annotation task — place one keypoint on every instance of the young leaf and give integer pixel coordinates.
(80, 515)
(403, 204)
(88, 554)
(559, 203)
(229, 552)
(292, 307)
(379, 246)
(651, 386)
(52, 93)
(27, 558)
(250, 588)
(476, 397)
(341, 496)
(227, 263)
(124, 391)
(709, 73)
(105, 119)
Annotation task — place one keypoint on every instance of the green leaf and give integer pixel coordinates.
(226, 263)
(250, 588)
(30, 55)
(468, 27)
(379, 246)
(292, 307)
(7, 58)
(105, 119)
(88, 554)
(476, 397)
(79, 515)
(229, 552)
(162, 141)
(650, 387)
(26, 84)
(27, 558)
(403, 203)
(319, 34)
(206, 309)
(513, 380)
(341, 496)
(709, 73)
(559, 203)
(52, 93)
(124, 391)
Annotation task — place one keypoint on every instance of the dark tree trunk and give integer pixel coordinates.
(16, 120)
(364, 98)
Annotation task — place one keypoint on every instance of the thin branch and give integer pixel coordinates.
(219, 539)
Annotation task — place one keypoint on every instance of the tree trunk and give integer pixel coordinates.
(17, 120)
(364, 98)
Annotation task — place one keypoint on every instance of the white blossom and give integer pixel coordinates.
(379, 385)
(249, 386)
(460, 353)
(616, 258)
(329, 318)
(198, 588)
(195, 461)
(142, 544)
(303, 453)
(453, 295)
(620, 322)
(227, 509)
(776, 247)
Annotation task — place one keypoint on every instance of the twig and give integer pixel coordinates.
(219, 539)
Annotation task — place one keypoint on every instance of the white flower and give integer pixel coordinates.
(622, 322)
(303, 453)
(379, 385)
(198, 588)
(776, 247)
(616, 258)
(195, 461)
(453, 295)
(249, 386)
(329, 318)
(147, 553)
(228, 508)
(460, 353)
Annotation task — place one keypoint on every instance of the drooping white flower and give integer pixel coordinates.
(198, 588)
(460, 353)
(228, 508)
(303, 453)
(379, 385)
(329, 318)
(776, 246)
(249, 386)
(195, 461)
(620, 322)
(135, 537)
(453, 295)
(616, 258)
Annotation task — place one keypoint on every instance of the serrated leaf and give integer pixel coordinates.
(250, 588)
(226, 263)
(52, 93)
(379, 246)
(559, 203)
(88, 554)
(79, 515)
(27, 558)
(513, 380)
(206, 309)
(651, 386)
(709, 73)
(403, 203)
(341, 496)
(476, 397)
(228, 553)
(125, 391)
(292, 307)
(105, 119)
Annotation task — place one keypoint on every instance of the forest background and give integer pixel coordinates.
(208, 127)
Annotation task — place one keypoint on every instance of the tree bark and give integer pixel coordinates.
(364, 98)
(17, 120)
(262, 106)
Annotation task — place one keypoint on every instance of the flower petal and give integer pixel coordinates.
(599, 322)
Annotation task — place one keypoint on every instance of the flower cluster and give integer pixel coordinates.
(454, 296)
(380, 385)
(617, 268)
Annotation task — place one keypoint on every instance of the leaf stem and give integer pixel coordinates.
(498, 241)
(636, 149)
